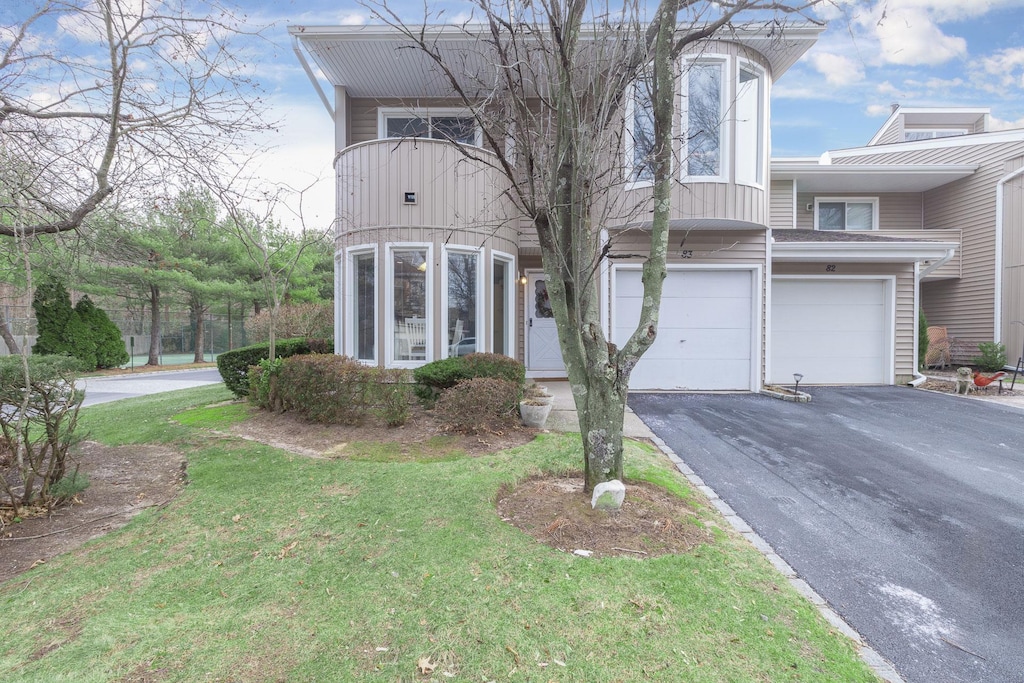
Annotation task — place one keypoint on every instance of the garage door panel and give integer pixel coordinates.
(830, 332)
(711, 311)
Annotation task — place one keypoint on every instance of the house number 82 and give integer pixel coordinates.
(830, 268)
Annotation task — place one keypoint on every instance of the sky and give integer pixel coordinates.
(873, 53)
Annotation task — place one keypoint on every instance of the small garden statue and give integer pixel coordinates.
(964, 380)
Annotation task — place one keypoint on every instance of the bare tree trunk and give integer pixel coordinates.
(5, 332)
(198, 310)
(154, 326)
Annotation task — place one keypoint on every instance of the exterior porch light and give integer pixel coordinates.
(422, 267)
(796, 378)
(522, 279)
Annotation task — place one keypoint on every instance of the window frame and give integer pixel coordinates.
(389, 303)
(724, 142)
(383, 113)
(511, 292)
(629, 148)
(762, 127)
(478, 294)
(350, 322)
(847, 200)
(934, 133)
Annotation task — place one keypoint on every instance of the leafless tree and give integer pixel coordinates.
(550, 101)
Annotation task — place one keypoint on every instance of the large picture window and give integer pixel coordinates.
(845, 214)
(702, 119)
(440, 125)
(462, 302)
(409, 304)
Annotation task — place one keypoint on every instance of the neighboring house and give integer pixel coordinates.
(793, 266)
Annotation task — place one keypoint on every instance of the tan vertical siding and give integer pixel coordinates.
(1013, 264)
(906, 315)
(780, 213)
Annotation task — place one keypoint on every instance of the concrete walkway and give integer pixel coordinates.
(563, 416)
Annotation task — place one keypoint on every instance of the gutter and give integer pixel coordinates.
(997, 318)
(312, 76)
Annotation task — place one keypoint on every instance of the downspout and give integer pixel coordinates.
(312, 77)
(997, 319)
(919, 379)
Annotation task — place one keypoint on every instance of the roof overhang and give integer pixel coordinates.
(861, 178)
(686, 224)
(861, 252)
(379, 61)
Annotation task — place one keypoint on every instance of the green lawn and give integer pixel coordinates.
(274, 567)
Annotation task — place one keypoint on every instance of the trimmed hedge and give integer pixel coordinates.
(234, 365)
(434, 378)
(326, 388)
(481, 404)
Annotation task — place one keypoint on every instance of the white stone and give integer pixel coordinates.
(583, 553)
(608, 495)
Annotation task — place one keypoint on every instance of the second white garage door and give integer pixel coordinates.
(705, 335)
(831, 331)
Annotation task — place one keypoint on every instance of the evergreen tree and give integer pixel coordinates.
(104, 334)
(52, 306)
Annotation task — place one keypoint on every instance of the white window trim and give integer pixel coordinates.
(724, 141)
(389, 303)
(763, 132)
(456, 249)
(345, 317)
(424, 112)
(510, 303)
(849, 200)
(949, 133)
(630, 138)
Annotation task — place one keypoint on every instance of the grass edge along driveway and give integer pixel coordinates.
(272, 566)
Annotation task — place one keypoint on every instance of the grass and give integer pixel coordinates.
(273, 567)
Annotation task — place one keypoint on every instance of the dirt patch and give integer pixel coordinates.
(947, 385)
(417, 439)
(555, 511)
(123, 481)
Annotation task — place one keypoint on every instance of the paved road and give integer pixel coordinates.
(116, 387)
(905, 510)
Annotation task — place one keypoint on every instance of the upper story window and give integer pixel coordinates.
(931, 133)
(703, 107)
(455, 125)
(749, 114)
(846, 214)
(640, 130)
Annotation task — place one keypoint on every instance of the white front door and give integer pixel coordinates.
(542, 351)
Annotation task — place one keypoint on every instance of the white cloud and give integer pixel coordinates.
(352, 19)
(1007, 65)
(877, 110)
(837, 69)
(910, 36)
(1001, 124)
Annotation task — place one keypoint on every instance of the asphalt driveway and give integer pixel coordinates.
(903, 509)
(116, 387)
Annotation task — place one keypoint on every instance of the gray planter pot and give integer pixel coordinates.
(534, 413)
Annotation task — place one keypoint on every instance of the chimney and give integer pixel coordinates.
(893, 107)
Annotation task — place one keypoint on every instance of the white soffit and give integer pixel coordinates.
(858, 178)
(377, 61)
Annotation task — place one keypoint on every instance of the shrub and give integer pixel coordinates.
(45, 431)
(992, 358)
(922, 338)
(315, 320)
(434, 378)
(234, 365)
(52, 307)
(326, 388)
(390, 395)
(108, 345)
(478, 404)
(263, 383)
(69, 486)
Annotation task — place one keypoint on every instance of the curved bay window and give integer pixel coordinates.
(409, 304)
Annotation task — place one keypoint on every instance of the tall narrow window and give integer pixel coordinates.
(501, 307)
(409, 272)
(462, 303)
(703, 129)
(640, 130)
(364, 306)
(749, 126)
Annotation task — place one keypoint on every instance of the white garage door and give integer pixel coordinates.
(830, 331)
(705, 332)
